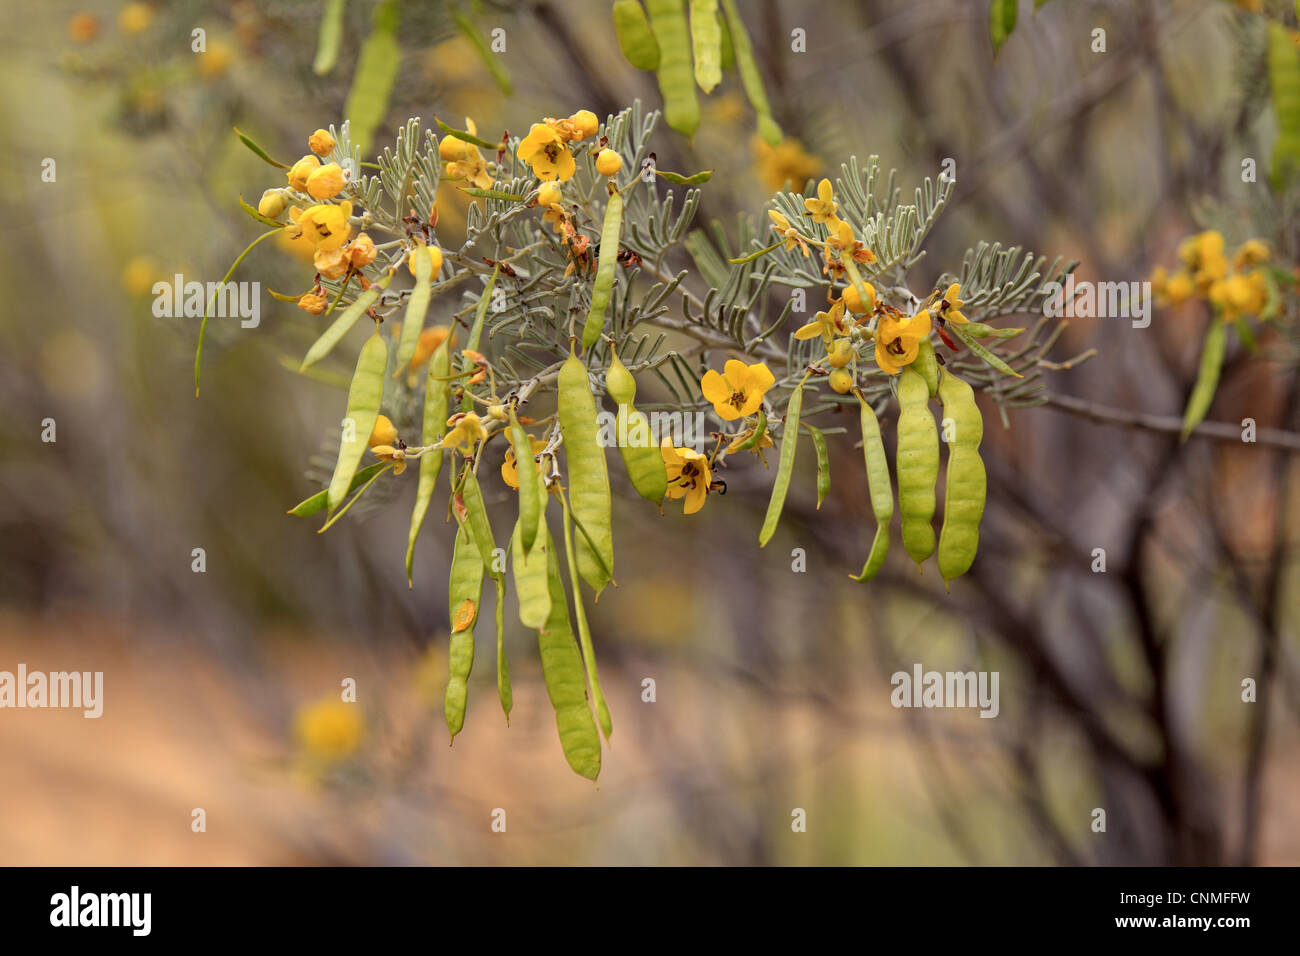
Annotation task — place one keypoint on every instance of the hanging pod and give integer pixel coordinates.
(966, 483)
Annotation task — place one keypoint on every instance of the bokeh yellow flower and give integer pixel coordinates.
(330, 730)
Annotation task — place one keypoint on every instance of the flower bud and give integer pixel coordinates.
(840, 353)
(853, 302)
(841, 380)
(300, 170)
(497, 412)
(321, 142)
(608, 162)
(384, 433)
(549, 194)
(330, 263)
(435, 256)
(585, 122)
(325, 182)
(271, 204)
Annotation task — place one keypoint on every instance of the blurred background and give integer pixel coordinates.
(1119, 690)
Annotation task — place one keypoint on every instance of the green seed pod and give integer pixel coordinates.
(917, 464)
(967, 483)
(619, 383)
(637, 41)
(928, 366)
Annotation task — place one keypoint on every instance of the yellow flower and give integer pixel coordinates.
(543, 149)
(325, 226)
(510, 469)
(389, 453)
(1239, 295)
(585, 123)
(325, 182)
(435, 258)
(841, 242)
(140, 274)
(739, 390)
(466, 432)
(1252, 252)
(823, 207)
(83, 27)
(321, 142)
(362, 252)
(898, 340)
(330, 730)
(135, 17)
(787, 232)
(301, 171)
(331, 263)
(785, 164)
(472, 170)
(826, 324)
(1179, 288)
(689, 475)
(384, 432)
(215, 62)
(950, 306)
(313, 303)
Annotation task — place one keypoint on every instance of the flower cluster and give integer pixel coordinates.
(1236, 288)
(546, 147)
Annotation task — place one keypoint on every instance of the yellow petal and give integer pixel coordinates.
(824, 191)
(809, 331)
(714, 387)
(757, 379)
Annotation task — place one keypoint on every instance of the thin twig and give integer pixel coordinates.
(1218, 431)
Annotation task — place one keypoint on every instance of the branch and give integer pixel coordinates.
(1218, 431)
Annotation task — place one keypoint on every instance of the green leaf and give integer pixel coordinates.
(706, 43)
(330, 38)
(750, 78)
(372, 84)
(680, 180)
(1002, 20)
(492, 194)
(758, 254)
(353, 500)
(316, 503)
(465, 137)
(343, 324)
(984, 354)
(1284, 79)
(484, 50)
(207, 310)
(257, 149)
